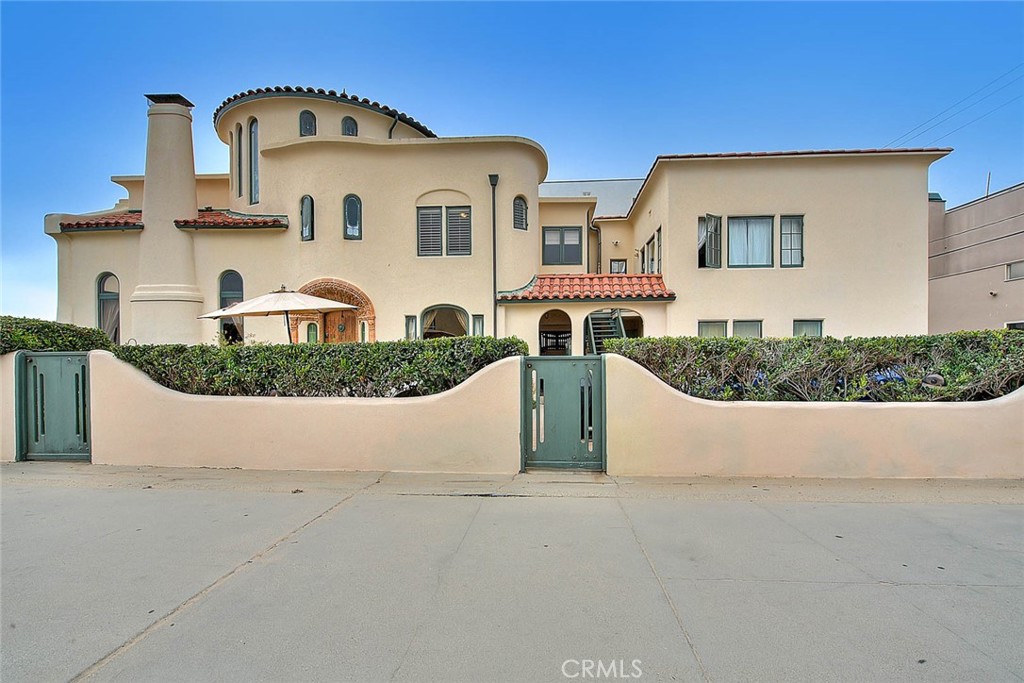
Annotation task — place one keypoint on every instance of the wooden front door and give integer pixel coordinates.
(341, 326)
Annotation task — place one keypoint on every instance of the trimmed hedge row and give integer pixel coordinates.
(381, 369)
(29, 334)
(962, 366)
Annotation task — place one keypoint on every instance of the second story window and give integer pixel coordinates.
(306, 217)
(519, 213)
(562, 247)
(238, 159)
(307, 123)
(750, 242)
(792, 228)
(349, 126)
(254, 162)
(353, 210)
(618, 266)
(709, 241)
(460, 231)
(431, 224)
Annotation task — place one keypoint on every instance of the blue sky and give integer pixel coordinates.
(604, 87)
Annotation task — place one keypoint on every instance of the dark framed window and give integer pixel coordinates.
(428, 231)
(650, 250)
(478, 325)
(232, 330)
(1015, 326)
(750, 242)
(108, 306)
(807, 328)
(238, 159)
(460, 231)
(563, 246)
(712, 328)
(349, 126)
(618, 266)
(353, 210)
(306, 217)
(307, 123)
(792, 240)
(312, 333)
(709, 241)
(519, 213)
(254, 162)
(746, 328)
(658, 240)
(410, 327)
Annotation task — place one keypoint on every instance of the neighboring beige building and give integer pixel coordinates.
(976, 263)
(351, 200)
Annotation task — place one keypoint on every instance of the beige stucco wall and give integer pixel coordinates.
(655, 430)
(211, 189)
(471, 428)
(8, 443)
(970, 247)
(865, 231)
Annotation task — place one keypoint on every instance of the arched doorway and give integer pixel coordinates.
(555, 330)
(444, 321)
(338, 326)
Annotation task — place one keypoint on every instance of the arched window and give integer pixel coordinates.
(306, 215)
(238, 159)
(307, 123)
(444, 321)
(108, 306)
(519, 213)
(232, 330)
(349, 126)
(353, 218)
(312, 333)
(254, 162)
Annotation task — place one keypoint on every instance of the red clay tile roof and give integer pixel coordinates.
(210, 218)
(320, 93)
(125, 220)
(591, 286)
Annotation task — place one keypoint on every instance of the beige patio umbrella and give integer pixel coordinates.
(280, 302)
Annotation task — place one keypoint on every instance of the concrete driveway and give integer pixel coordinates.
(145, 574)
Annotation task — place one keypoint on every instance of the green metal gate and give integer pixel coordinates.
(53, 406)
(563, 412)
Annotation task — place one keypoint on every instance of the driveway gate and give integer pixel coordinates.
(53, 406)
(563, 412)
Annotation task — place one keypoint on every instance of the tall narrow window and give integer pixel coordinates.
(478, 325)
(410, 327)
(519, 213)
(709, 241)
(353, 210)
(750, 242)
(306, 216)
(792, 241)
(312, 333)
(651, 259)
(254, 162)
(307, 123)
(460, 231)
(428, 231)
(108, 306)
(658, 240)
(349, 126)
(232, 330)
(238, 159)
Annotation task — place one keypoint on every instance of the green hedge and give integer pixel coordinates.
(404, 368)
(29, 334)
(972, 366)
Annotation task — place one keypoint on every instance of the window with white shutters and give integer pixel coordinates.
(460, 231)
(428, 231)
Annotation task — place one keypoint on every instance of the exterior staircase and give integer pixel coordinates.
(602, 325)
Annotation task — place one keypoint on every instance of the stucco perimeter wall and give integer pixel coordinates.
(471, 428)
(654, 430)
(7, 398)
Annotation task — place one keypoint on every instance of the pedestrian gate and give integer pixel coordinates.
(563, 412)
(53, 406)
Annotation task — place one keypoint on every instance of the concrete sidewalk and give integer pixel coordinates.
(145, 574)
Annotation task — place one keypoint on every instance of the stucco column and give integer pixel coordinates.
(166, 301)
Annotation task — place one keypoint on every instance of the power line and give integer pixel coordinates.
(991, 111)
(953, 106)
(961, 111)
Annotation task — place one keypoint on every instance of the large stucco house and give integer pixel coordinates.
(351, 200)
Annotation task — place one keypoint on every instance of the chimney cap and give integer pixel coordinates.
(170, 98)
